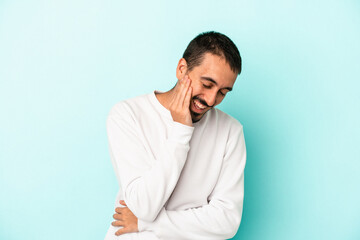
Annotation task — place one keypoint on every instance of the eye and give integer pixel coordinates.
(223, 92)
(206, 86)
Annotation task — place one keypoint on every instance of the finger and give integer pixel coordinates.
(184, 91)
(122, 202)
(118, 223)
(188, 98)
(119, 210)
(182, 84)
(177, 93)
(121, 231)
(117, 216)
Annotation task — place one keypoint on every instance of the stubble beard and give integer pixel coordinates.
(197, 116)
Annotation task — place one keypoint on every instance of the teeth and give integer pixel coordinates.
(199, 105)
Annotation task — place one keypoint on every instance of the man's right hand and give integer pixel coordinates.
(180, 102)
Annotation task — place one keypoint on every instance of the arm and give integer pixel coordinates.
(220, 218)
(146, 187)
(147, 183)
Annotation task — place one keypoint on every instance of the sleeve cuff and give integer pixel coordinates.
(180, 133)
(142, 225)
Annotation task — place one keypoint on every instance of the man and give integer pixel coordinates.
(180, 161)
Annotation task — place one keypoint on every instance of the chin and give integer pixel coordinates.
(195, 116)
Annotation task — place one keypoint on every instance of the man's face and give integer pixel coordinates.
(210, 81)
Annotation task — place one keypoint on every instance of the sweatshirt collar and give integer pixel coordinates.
(158, 105)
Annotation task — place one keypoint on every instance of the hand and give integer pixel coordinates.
(180, 102)
(126, 219)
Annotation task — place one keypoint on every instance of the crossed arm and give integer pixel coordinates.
(219, 219)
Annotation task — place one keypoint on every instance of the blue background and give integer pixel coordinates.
(65, 63)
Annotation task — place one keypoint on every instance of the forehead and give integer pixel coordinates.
(217, 68)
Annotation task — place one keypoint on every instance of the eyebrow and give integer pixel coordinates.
(214, 82)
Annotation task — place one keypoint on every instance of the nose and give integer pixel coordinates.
(210, 98)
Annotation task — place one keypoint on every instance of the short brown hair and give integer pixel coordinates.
(215, 43)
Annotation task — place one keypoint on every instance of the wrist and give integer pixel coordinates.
(180, 133)
(143, 225)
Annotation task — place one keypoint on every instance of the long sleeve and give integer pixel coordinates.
(147, 183)
(220, 218)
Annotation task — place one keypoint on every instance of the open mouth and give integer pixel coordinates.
(198, 107)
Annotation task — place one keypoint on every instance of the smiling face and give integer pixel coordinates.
(210, 82)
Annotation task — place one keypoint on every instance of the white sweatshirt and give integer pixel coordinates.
(181, 182)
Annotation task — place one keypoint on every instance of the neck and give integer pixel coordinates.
(165, 98)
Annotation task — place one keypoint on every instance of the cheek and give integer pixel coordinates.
(196, 90)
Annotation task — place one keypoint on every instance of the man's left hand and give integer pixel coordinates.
(126, 219)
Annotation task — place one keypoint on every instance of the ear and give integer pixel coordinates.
(181, 69)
